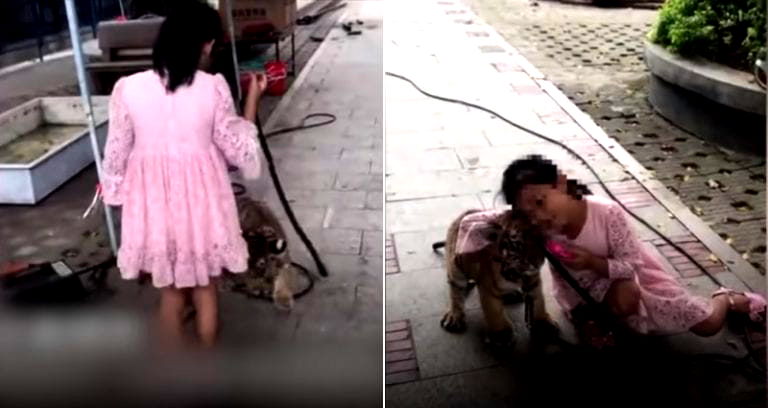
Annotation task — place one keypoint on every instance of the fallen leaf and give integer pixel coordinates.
(713, 258)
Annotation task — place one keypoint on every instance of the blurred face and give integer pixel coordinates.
(548, 206)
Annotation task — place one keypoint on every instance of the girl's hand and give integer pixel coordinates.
(257, 83)
(580, 259)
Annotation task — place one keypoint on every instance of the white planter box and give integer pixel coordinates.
(44, 143)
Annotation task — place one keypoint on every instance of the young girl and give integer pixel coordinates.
(172, 132)
(608, 260)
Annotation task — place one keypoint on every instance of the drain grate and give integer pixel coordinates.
(584, 44)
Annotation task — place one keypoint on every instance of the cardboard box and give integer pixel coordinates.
(251, 16)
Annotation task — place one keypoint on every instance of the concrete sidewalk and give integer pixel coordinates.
(332, 176)
(444, 158)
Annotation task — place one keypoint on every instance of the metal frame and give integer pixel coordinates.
(277, 38)
(85, 94)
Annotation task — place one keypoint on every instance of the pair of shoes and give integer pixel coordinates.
(757, 304)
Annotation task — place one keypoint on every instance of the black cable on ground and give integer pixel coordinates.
(240, 189)
(284, 200)
(599, 180)
(268, 297)
(331, 119)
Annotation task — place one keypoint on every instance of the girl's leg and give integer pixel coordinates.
(715, 322)
(623, 297)
(206, 304)
(172, 302)
(722, 302)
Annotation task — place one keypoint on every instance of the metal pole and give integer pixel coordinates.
(231, 30)
(39, 24)
(74, 33)
(293, 52)
(94, 19)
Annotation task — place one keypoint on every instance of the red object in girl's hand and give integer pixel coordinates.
(558, 250)
(277, 73)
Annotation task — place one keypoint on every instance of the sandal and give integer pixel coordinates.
(757, 304)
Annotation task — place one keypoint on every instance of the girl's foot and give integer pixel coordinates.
(745, 302)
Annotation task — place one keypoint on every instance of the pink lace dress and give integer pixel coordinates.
(165, 163)
(665, 306)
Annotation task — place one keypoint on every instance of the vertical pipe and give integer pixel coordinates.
(86, 97)
(231, 29)
(293, 52)
(39, 24)
(94, 19)
(277, 46)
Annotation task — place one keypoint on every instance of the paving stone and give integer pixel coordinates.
(328, 198)
(357, 219)
(373, 200)
(373, 242)
(358, 182)
(416, 248)
(433, 213)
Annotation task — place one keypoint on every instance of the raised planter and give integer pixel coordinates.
(644, 4)
(44, 143)
(714, 102)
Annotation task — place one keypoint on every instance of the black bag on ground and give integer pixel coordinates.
(48, 283)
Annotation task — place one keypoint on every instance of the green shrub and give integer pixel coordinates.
(730, 32)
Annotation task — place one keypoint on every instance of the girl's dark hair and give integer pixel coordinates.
(179, 44)
(534, 170)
